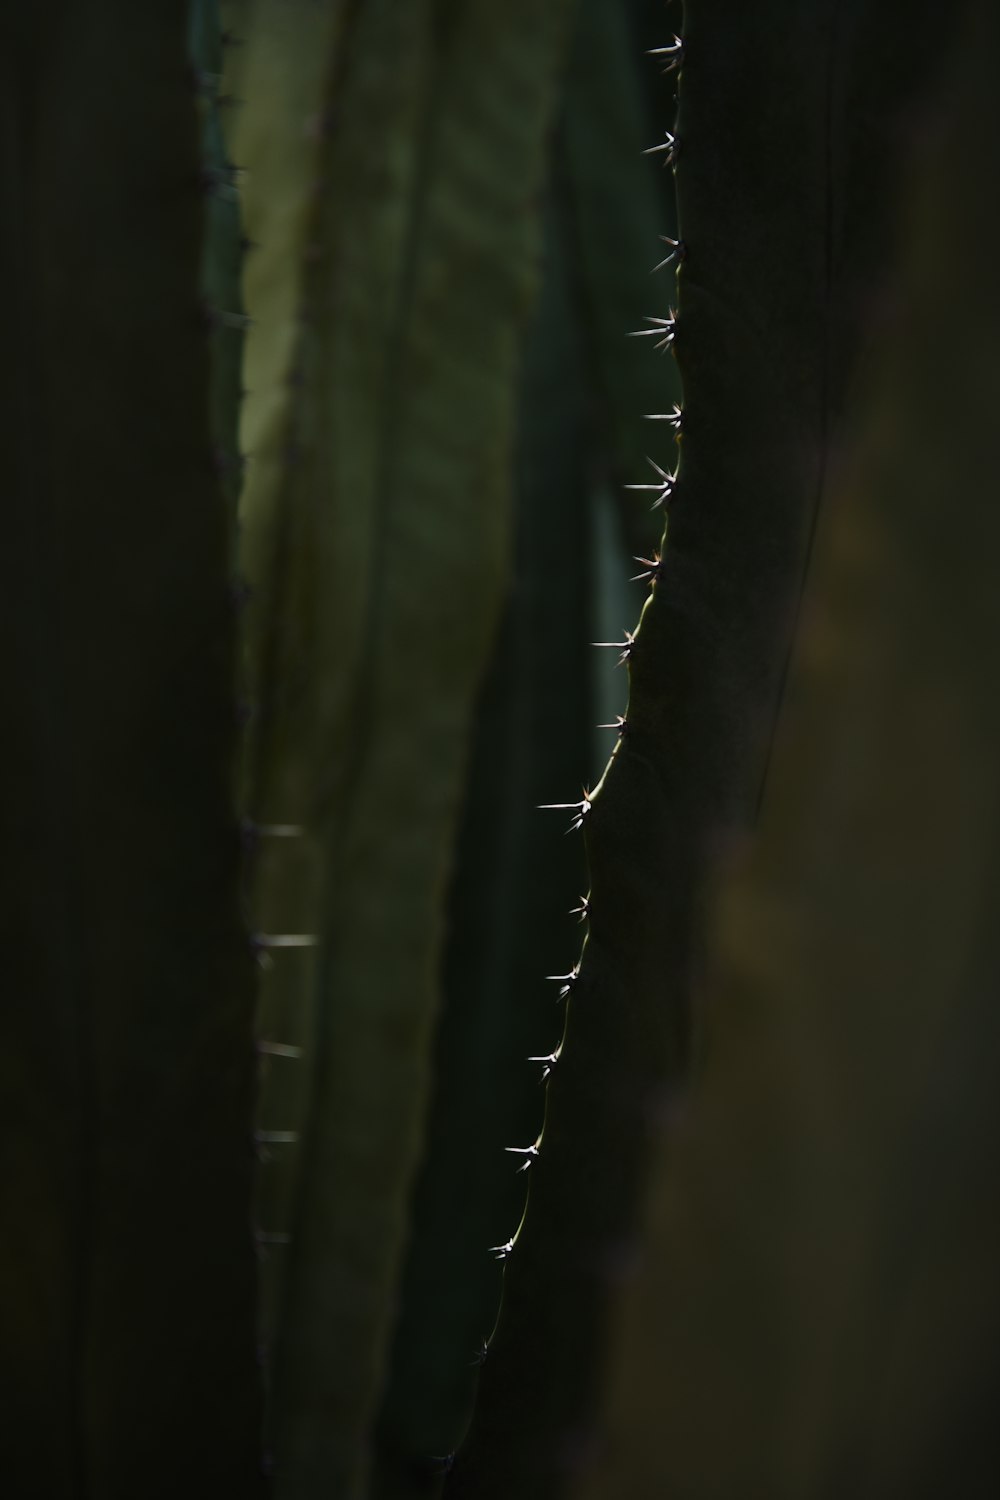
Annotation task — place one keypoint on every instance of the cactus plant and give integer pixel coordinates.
(535, 730)
(389, 517)
(341, 606)
(767, 363)
(323, 306)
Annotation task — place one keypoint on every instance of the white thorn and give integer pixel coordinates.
(279, 1049)
(285, 939)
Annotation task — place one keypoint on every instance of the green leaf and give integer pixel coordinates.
(436, 579)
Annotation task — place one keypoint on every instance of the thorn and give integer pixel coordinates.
(659, 324)
(652, 571)
(264, 1138)
(674, 417)
(665, 487)
(670, 146)
(218, 317)
(479, 1357)
(550, 1059)
(666, 478)
(662, 328)
(675, 52)
(566, 981)
(625, 646)
(264, 1239)
(530, 1153)
(581, 809)
(665, 493)
(285, 939)
(251, 833)
(262, 944)
(279, 1049)
(502, 1251)
(678, 253)
(583, 910)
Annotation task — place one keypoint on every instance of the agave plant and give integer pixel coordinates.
(319, 386)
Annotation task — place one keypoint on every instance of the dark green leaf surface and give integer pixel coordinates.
(326, 200)
(396, 545)
(532, 727)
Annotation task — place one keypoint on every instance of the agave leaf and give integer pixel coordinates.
(531, 730)
(327, 204)
(766, 360)
(440, 483)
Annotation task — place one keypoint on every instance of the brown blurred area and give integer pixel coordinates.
(817, 1313)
